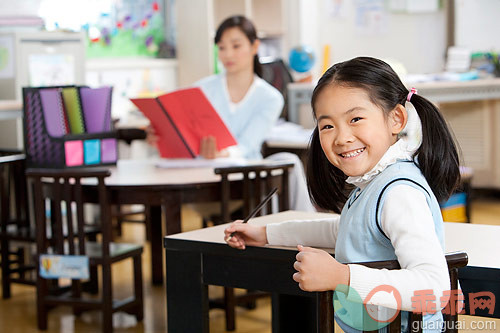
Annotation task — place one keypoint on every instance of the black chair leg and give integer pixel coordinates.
(76, 291)
(147, 222)
(42, 310)
(138, 288)
(118, 220)
(92, 286)
(107, 297)
(5, 270)
(230, 305)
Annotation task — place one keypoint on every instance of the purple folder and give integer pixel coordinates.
(53, 112)
(96, 105)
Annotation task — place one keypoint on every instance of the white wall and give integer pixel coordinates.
(19, 7)
(477, 24)
(195, 29)
(416, 40)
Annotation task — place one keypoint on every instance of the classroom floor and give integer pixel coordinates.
(18, 314)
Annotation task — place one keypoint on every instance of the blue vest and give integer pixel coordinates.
(360, 236)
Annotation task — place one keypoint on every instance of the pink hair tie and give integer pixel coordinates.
(412, 91)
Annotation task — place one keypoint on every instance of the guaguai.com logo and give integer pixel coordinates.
(365, 315)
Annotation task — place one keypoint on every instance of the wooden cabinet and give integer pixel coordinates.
(197, 21)
(476, 126)
(472, 110)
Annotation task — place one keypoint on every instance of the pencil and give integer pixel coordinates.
(256, 209)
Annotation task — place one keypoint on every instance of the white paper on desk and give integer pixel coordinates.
(176, 163)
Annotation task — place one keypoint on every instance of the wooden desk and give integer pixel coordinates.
(140, 182)
(198, 258)
(481, 242)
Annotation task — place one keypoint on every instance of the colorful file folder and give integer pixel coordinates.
(53, 112)
(73, 109)
(96, 109)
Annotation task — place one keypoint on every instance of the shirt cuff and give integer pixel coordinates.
(273, 235)
(359, 281)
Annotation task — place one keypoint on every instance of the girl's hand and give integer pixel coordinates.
(245, 234)
(151, 136)
(317, 270)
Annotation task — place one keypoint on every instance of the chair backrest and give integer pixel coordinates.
(454, 260)
(276, 73)
(258, 181)
(13, 191)
(65, 231)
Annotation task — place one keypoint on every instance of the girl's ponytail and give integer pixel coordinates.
(437, 156)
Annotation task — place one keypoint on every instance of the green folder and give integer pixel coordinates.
(73, 110)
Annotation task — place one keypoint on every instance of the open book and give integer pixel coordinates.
(181, 119)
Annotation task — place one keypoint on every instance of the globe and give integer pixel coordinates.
(301, 58)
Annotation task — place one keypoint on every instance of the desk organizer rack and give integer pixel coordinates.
(68, 126)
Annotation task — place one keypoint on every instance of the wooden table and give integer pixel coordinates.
(199, 258)
(141, 182)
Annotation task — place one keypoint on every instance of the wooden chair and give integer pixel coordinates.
(258, 180)
(16, 234)
(455, 261)
(64, 189)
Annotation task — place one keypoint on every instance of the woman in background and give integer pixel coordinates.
(248, 105)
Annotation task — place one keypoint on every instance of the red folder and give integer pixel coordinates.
(180, 119)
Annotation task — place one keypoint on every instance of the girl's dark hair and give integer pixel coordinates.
(247, 27)
(437, 155)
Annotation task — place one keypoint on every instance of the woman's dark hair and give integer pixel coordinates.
(247, 27)
(437, 155)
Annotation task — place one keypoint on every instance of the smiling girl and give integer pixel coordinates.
(362, 110)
